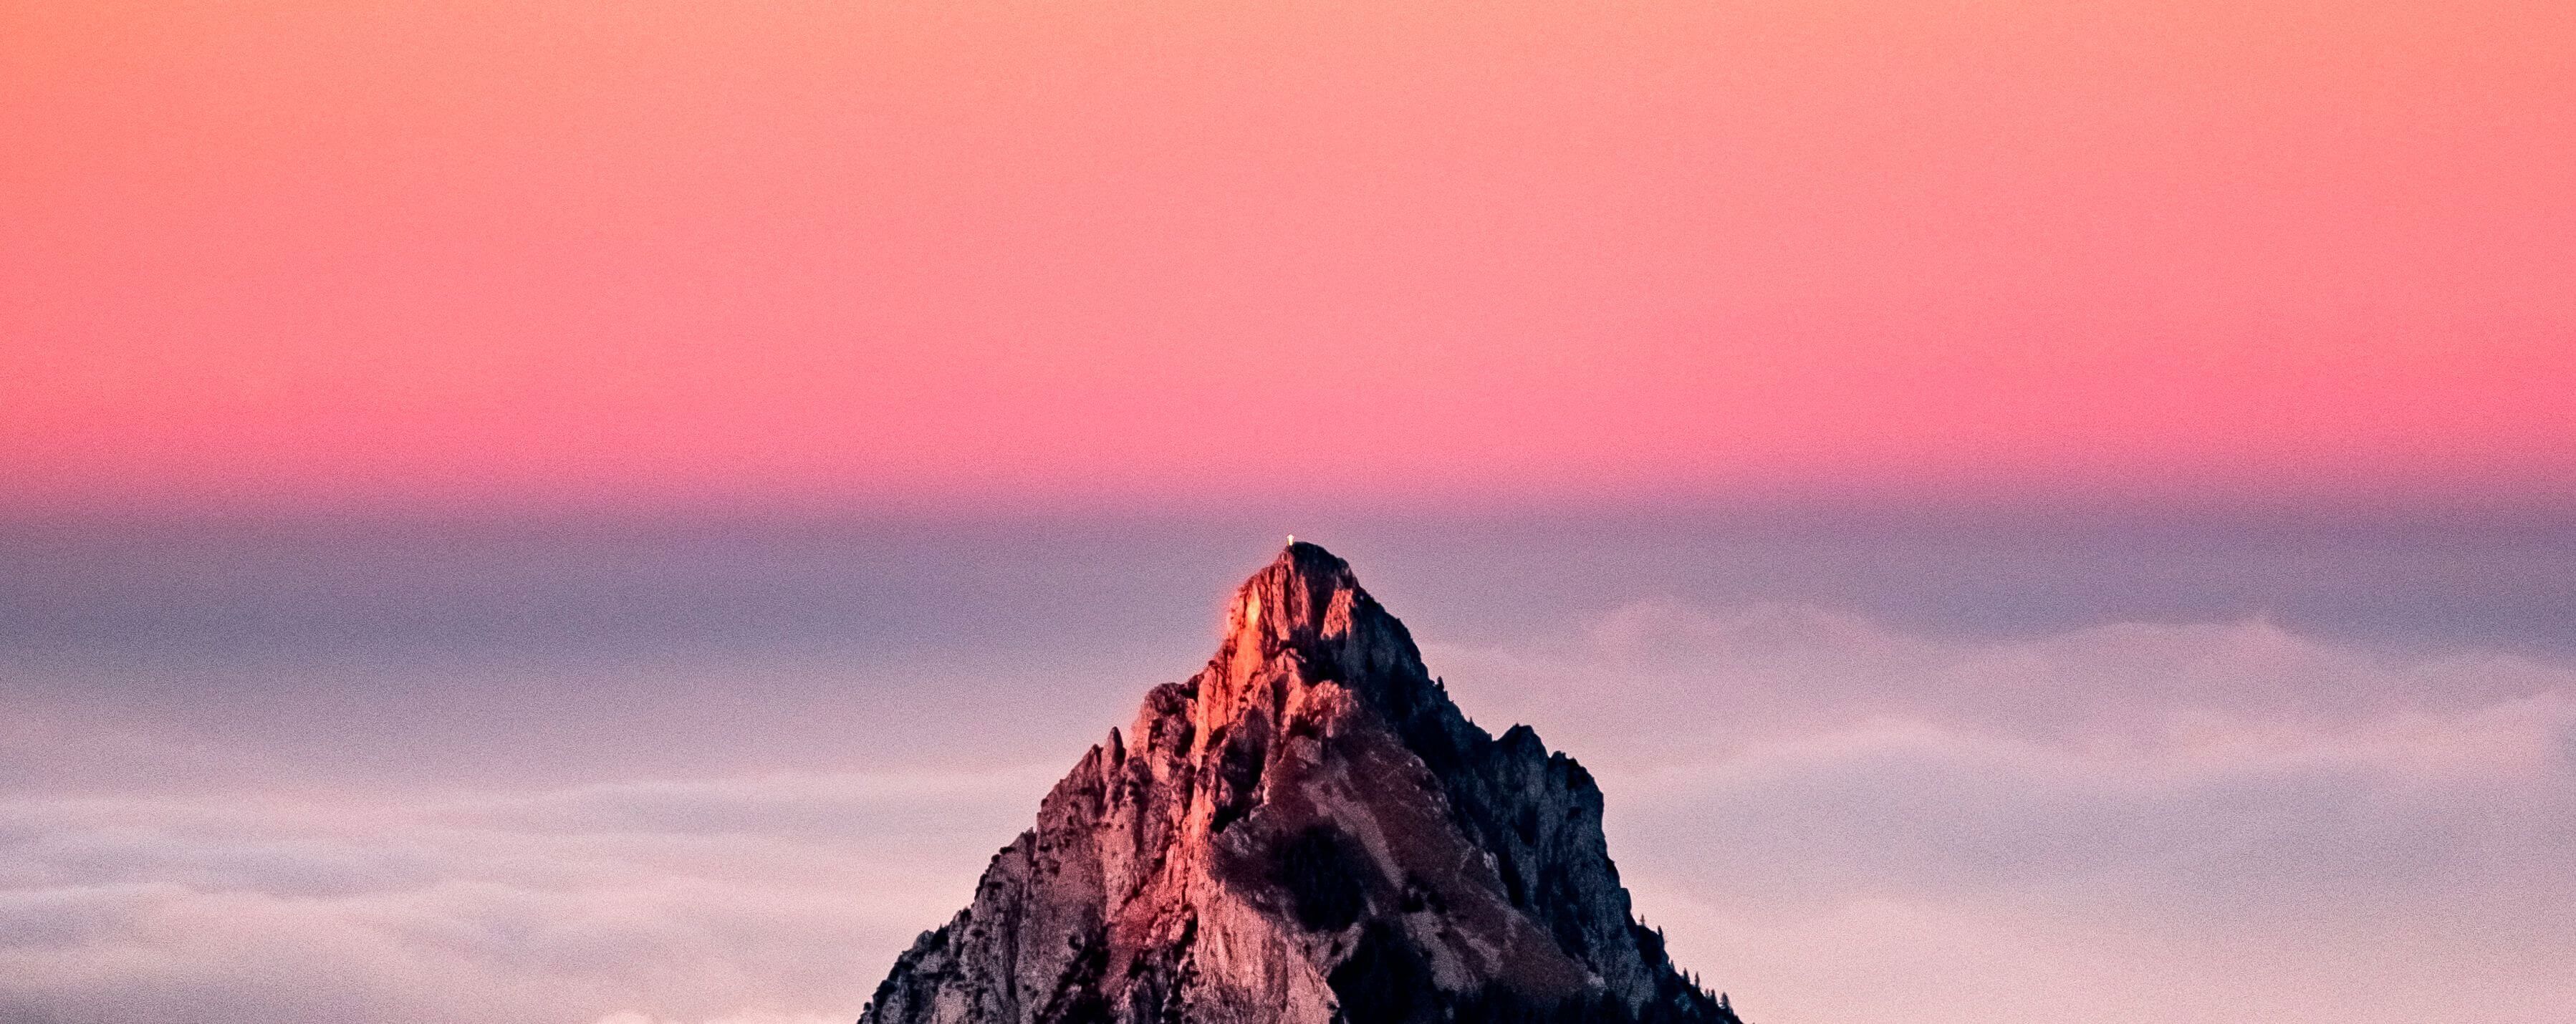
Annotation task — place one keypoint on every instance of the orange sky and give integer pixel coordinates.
(1054, 252)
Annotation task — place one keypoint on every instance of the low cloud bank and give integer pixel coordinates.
(692, 899)
(2137, 821)
(1836, 821)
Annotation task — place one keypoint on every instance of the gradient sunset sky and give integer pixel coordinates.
(608, 513)
(957, 253)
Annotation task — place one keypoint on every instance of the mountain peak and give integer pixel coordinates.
(1289, 598)
(1308, 606)
(1308, 831)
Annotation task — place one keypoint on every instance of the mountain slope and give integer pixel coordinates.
(1308, 830)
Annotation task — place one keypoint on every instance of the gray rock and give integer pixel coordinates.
(1306, 831)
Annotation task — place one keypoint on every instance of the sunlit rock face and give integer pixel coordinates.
(1307, 830)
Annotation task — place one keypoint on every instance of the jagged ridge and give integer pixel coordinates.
(1308, 830)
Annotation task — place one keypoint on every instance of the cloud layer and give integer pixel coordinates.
(719, 900)
(2135, 821)
(1837, 821)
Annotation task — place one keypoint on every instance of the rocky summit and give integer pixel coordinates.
(1307, 830)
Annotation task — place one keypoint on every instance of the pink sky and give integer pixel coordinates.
(1158, 252)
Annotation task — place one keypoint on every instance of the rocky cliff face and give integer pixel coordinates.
(1305, 831)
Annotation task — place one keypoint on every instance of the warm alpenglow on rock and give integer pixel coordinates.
(1308, 830)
